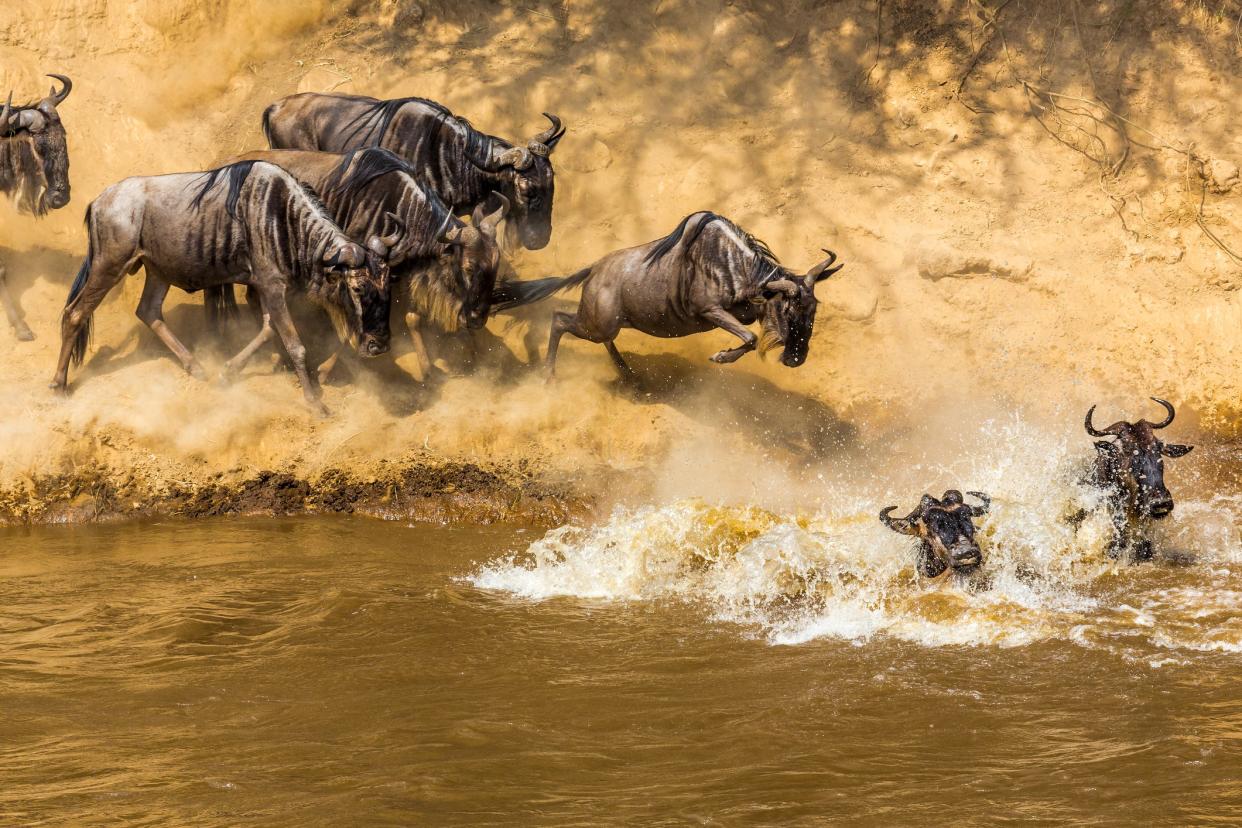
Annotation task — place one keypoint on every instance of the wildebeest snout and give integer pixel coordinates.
(965, 555)
(372, 345)
(1159, 504)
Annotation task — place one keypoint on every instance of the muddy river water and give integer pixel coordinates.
(686, 664)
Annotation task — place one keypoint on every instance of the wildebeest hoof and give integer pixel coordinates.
(319, 409)
(195, 370)
(725, 357)
(24, 334)
(58, 388)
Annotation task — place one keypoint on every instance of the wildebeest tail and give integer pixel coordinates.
(508, 295)
(83, 338)
(220, 302)
(267, 124)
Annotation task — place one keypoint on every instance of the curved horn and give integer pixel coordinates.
(821, 271)
(1112, 431)
(552, 134)
(390, 240)
(1167, 407)
(66, 88)
(785, 286)
(491, 221)
(901, 525)
(516, 157)
(979, 511)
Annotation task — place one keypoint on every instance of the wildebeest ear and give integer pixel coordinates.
(1174, 450)
(1106, 447)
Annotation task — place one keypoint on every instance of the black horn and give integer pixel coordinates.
(390, 241)
(900, 525)
(551, 135)
(66, 87)
(821, 270)
(979, 511)
(1167, 407)
(1111, 431)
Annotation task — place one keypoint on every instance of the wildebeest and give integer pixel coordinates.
(443, 270)
(34, 169)
(458, 162)
(1131, 470)
(708, 273)
(250, 223)
(946, 532)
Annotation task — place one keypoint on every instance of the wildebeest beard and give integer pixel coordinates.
(24, 176)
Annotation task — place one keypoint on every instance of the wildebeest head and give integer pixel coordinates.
(529, 184)
(1134, 462)
(478, 260)
(789, 315)
(359, 287)
(44, 160)
(946, 529)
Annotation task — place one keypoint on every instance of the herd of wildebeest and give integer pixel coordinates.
(358, 206)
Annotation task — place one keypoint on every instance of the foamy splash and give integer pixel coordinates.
(836, 572)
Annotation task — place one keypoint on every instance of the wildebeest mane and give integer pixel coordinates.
(765, 266)
(236, 175)
(362, 166)
(370, 127)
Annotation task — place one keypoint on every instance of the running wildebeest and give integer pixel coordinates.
(946, 532)
(456, 161)
(443, 270)
(250, 223)
(34, 170)
(1131, 470)
(708, 273)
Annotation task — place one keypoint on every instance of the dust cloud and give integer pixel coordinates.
(994, 269)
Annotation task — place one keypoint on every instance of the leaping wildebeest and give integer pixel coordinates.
(34, 169)
(250, 223)
(1130, 468)
(708, 273)
(443, 270)
(462, 165)
(946, 532)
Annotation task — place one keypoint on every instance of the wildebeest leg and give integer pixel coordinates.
(275, 307)
(721, 318)
(412, 322)
(12, 311)
(325, 367)
(104, 275)
(562, 323)
(243, 356)
(151, 312)
(627, 372)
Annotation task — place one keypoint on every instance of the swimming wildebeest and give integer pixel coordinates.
(946, 532)
(250, 223)
(34, 169)
(1131, 469)
(458, 162)
(442, 269)
(708, 273)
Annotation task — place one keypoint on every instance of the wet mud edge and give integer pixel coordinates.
(438, 492)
